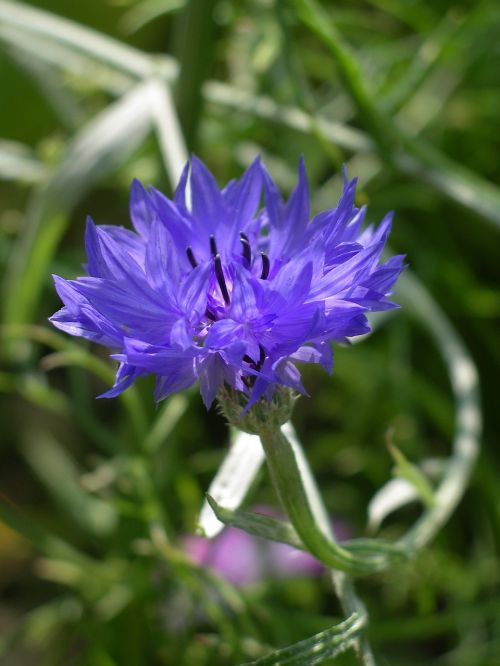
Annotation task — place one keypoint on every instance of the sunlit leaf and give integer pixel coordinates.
(233, 480)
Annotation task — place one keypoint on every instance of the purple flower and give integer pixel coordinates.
(212, 286)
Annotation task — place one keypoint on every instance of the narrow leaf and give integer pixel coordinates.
(59, 474)
(99, 148)
(325, 645)
(19, 163)
(393, 495)
(233, 480)
(257, 524)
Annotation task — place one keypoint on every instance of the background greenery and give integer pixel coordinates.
(406, 93)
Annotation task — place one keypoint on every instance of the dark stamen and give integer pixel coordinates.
(213, 246)
(191, 258)
(219, 274)
(265, 265)
(262, 356)
(247, 252)
(209, 314)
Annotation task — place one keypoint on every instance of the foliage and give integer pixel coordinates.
(96, 495)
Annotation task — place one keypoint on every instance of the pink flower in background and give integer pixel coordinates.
(244, 559)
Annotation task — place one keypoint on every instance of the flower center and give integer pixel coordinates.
(213, 316)
(219, 273)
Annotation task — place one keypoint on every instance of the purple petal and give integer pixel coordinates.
(141, 209)
(207, 203)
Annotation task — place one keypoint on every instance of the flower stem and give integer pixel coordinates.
(300, 498)
(351, 603)
(299, 494)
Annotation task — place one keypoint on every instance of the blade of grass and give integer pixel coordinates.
(94, 152)
(428, 57)
(65, 104)
(194, 25)
(59, 474)
(38, 22)
(43, 540)
(168, 417)
(168, 130)
(465, 386)
(70, 354)
(266, 107)
(312, 15)
(417, 160)
(65, 60)
(19, 163)
(77, 356)
(233, 480)
(325, 645)
(145, 11)
(408, 154)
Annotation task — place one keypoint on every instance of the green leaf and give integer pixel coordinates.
(232, 481)
(145, 11)
(465, 385)
(325, 645)
(412, 474)
(19, 163)
(398, 148)
(60, 475)
(43, 540)
(272, 529)
(257, 524)
(36, 22)
(294, 483)
(168, 417)
(97, 150)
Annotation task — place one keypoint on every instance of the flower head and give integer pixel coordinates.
(215, 287)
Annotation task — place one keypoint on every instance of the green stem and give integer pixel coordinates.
(302, 502)
(351, 603)
(296, 486)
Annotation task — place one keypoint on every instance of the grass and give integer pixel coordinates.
(96, 495)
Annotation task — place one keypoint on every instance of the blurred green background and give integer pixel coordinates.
(406, 93)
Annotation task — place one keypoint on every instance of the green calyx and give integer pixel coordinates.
(263, 416)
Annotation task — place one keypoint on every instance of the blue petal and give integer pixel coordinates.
(141, 209)
(162, 266)
(192, 292)
(288, 375)
(137, 315)
(180, 198)
(125, 376)
(79, 318)
(274, 202)
(175, 220)
(211, 378)
(158, 359)
(223, 333)
(135, 245)
(243, 299)
(296, 215)
(182, 377)
(241, 200)
(207, 205)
